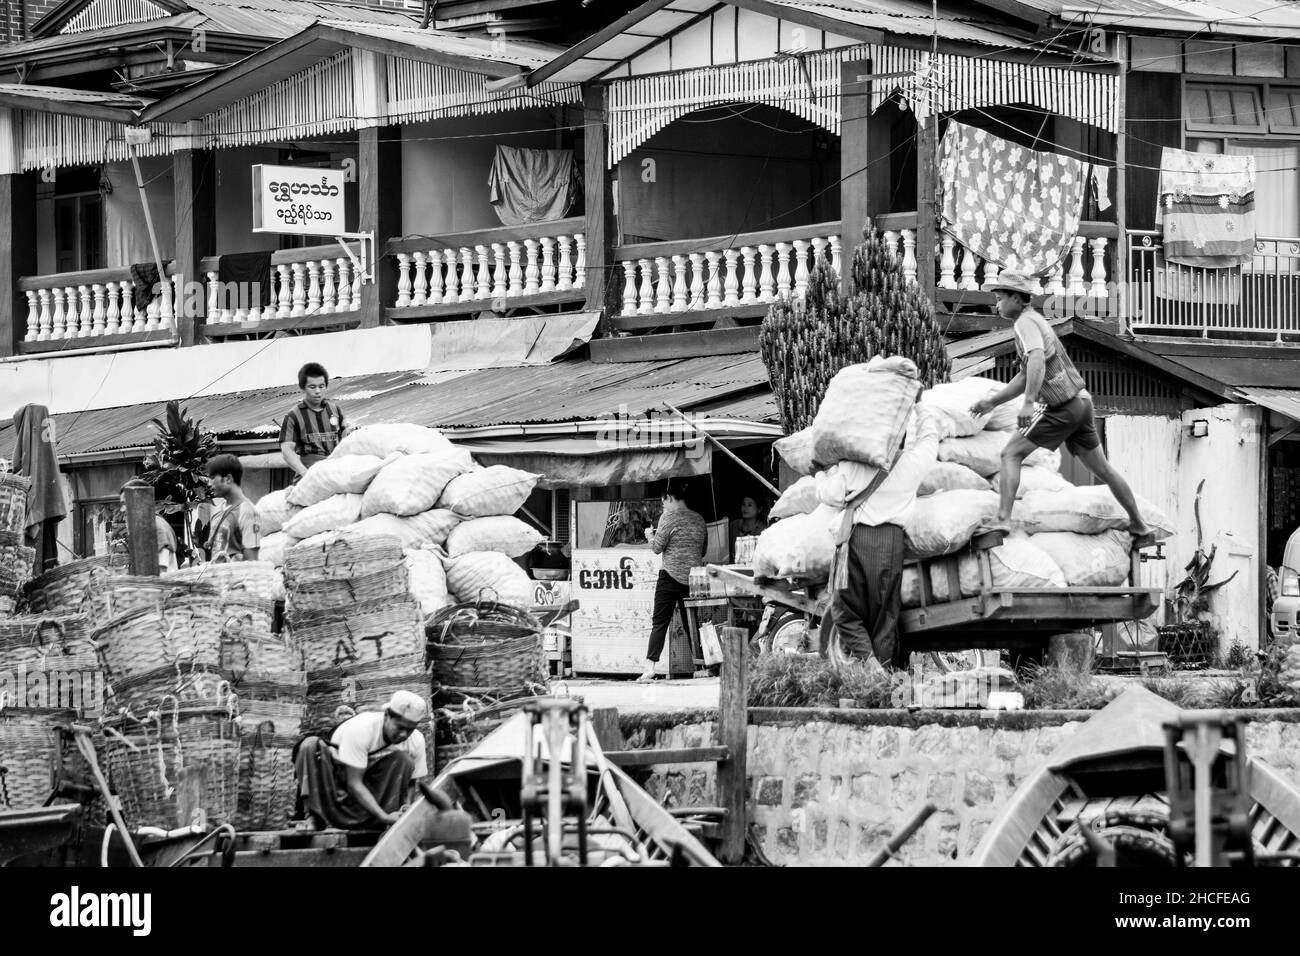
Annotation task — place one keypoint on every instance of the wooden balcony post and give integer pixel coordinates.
(141, 533)
(855, 174)
(599, 226)
(927, 221)
(380, 172)
(194, 188)
(18, 226)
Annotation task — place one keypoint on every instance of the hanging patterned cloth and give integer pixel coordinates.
(1013, 206)
(1207, 208)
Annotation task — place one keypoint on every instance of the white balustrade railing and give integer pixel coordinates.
(685, 279)
(493, 270)
(91, 305)
(323, 284)
(1085, 271)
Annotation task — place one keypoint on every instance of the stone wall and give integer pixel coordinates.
(829, 788)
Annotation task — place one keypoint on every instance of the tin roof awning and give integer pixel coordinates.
(1284, 401)
(1203, 18)
(292, 55)
(113, 107)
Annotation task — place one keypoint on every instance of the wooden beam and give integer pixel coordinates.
(652, 758)
(600, 226)
(18, 258)
(927, 221)
(733, 732)
(576, 52)
(1121, 187)
(331, 322)
(789, 13)
(604, 724)
(162, 337)
(194, 192)
(650, 348)
(855, 157)
(475, 308)
(694, 317)
(141, 533)
(380, 166)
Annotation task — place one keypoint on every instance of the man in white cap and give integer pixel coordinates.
(1057, 408)
(366, 771)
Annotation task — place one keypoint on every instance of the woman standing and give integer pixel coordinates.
(752, 521)
(681, 537)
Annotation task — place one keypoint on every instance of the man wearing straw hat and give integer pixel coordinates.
(362, 776)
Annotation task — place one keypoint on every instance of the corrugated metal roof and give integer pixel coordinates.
(565, 391)
(1284, 401)
(65, 95)
(1265, 18)
(907, 17)
(528, 54)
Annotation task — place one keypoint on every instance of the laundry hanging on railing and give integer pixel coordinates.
(1206, 208)
(532, 185)
(1016, 207)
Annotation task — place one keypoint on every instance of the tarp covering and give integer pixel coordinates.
(589, 462)
(501, 343)
(532, 185)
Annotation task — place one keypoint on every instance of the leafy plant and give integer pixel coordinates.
(795, 680)
(1192, 594)
(1046, 687)
(805, 344)
(175, 467)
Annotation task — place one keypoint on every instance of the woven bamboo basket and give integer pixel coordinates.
(116, 596)
(16, 561)
(13, 502)
(279, 687)
(172, 762)
(245, 612)
(361, 634)
(266, 778)
(186, 633)
(199, 685)
(283, 717)
(485, 645)
(258, 651)
(33, 639)
(344, 555)
(67, 588)
(332, 593)
(261, 579)
(30, 750)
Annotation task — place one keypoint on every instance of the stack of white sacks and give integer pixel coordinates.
(455, 519)
(1062, 535)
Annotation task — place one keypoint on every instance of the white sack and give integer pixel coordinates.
(801, 546)
(799, 499)
(427, 530)
(413, 483)
(330, 514)
(1088, 560)
(982, 453)
(345, 475)
(427, 580)
(950, 476)
(942, 523)
(495, 490)
(1035, 479)
(1042, 458)
(469, 574)
(274, 509)
(1005, 416)
(865, 411)
(797, 451)
(1084, 510)
(952, 402)
(272, 547)
(384, 439)
(1016, 563)
(503, 533)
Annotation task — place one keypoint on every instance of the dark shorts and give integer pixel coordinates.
(1071, 423)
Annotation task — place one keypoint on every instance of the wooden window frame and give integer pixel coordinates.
(1260, 90)
(1268, 130)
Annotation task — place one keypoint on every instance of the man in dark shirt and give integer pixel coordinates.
(313, 427)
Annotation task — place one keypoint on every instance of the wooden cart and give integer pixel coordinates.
(1011, 618)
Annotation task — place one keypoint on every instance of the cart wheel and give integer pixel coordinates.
(789, 633)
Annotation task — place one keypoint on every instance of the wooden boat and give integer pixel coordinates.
(523, 803)
(1109, 781)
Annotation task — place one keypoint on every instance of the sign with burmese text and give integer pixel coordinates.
(302, 202)
(615, 590)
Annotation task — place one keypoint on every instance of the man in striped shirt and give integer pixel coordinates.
(1057, 408)
(313, 427)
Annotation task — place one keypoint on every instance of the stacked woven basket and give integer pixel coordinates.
(16, 559)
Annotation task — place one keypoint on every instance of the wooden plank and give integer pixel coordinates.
(894, 221)
(18, 222)
(733, 722)
(302, 323)
(339, 856)
(600, 228)
(194, 195)
(926, 211)
(696, 344)
(855, 154)
(651, 250)
(475, 307)
(485, 237)
(1120, 199)
(141, 532)
(604, 723)
(695, 317)
(593, 42)
(380, 165)
(651, 758)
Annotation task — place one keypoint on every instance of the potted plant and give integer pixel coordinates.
(175, 468)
